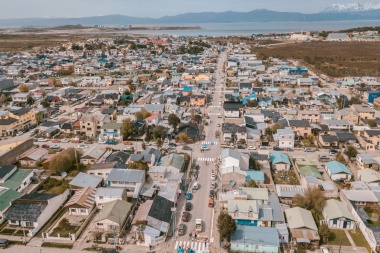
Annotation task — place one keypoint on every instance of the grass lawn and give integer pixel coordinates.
(57, 245)
(285, 177)
(359, 239)
(7, 231)
(21, 233)
(336, 235)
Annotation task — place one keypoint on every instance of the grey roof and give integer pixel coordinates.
(329, 138)
(274, 203)
(84, 180)
(161, 209)
(118, 157)
(346, 136)
(299, 123)
(232, 153)
(255, 236)
(112, 125)
(5, 169)
(110, 191)
(233, 128)
(139, 157)
(232, 106)
(126, 175)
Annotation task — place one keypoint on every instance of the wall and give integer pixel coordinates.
(11, 156)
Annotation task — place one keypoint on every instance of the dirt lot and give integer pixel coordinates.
(335, 59)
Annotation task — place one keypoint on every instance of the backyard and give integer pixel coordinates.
(285, 177)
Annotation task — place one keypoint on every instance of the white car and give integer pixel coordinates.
(65, 140)
(102, 142)
(82, 146)
(20, 133)
(252, 148)
(213, 176)
(42, 140)
(56, 146)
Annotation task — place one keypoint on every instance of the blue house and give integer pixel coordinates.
(298, 71)
(372, 95)
(338, 171)
(279, 161)
(251, 96)
(264, 101)
(255, 239)
(257, 176)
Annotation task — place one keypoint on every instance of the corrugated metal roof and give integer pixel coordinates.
(300, 218)
(126, 175)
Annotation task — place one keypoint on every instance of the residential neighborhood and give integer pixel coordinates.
(185, 144)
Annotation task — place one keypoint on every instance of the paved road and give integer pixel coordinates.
(206, 160)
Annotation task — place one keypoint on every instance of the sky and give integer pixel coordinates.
(151, 8)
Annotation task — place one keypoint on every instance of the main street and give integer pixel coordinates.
(207, 162)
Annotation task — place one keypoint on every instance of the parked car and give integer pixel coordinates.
(20, 133)
(252, 148)
(213, 185)
(55, 146)
(188, 206)
(213, 176)
(42, 140)
(127, 143)
(185, 216)
(181, 229)
(171, 144)
(82, 146)
(189, 196)
(111, 142)
(277, 148)
(65, 140)
(333, 152)
(309, 149)
(323, 157)
(240, 147)
(186, 148)
(56, 141)
(45, 146)
(4, 243)
(102, 142)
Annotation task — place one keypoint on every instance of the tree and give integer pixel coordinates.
(139, 115)
(173, 120)
(252, 103)
(147, 135)
(275, 127)
(23, 88)
(145, 113)
(159, 142)
(60, 163)
(356, 100)
(143, 146)
(183, 137)
(159, 132)
(351, 151)
(29, 101)
(3, 98)
(226, 225)
(372, 123)
(127, 128)
(268, 131)
(312, 200)
(252, 184)
(253, 164)
(324, 231)
(138, 165)
(340, 158)
(45, 104)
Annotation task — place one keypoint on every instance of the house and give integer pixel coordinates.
(348, 115)
(338, 125)
(367, 161)
(150, 159)
(7, 196)
(279, 161)
(111, 131)
(373, 135)
(132, 180)
(257, 176)
(32, 211)
(286, 193)
(255, 239)
(233, 132)
(113, 216)
(160, 214)
(285, 138)
(328, 141)
(152, 120)
(101, 169)
(82, 202)
(337, 215)
(17, 120)
(232, 109)
(338, 171)
(364, 111)
(31, 157)
(250, 212)
(302, 226)
(233, 158)
(197, 100)
(338, 37)
(15, 179)
(301, 127)
(83, 180)
(192, 130)
(93, 154)
(108, 194)
(369, 176)
(311, 116)
(91, 123)
(173, 160)
(245, 87)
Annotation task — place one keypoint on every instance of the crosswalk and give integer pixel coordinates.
(214, 114)
(214, 106)
(209, 143)
(198, 247)
(204, 159)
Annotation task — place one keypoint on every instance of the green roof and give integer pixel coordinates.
(6, 197)
(14, 181)
(116, 211)
(309, 170)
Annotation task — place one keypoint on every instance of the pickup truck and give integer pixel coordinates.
(198, 225)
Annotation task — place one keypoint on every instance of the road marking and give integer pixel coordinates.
(212, 222)
(199, 247)
(209, 142)
(203, 159)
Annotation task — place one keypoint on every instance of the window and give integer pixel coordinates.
(100, 197)
(29, 224)
(99, 224)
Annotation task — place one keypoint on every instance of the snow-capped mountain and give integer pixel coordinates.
(352, 7)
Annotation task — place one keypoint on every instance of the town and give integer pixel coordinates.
(185, 144)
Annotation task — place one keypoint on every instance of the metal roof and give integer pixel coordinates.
(126, 175)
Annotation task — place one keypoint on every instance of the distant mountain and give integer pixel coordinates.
(348, 7)
(196, 18)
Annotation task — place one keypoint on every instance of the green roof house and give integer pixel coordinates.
(113, 216)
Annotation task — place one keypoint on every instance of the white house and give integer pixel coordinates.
(109, 194)
(285, 138)
(132, 180)
(233, 158)
(111, 131)
(338, 171)
(337, 215)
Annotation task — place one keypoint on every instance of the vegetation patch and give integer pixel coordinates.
(57, 245)
(54, 186)
(338, 236)
(285, 177)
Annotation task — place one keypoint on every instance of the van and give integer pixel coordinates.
(4, 243)
(195, 186)
(181, 229)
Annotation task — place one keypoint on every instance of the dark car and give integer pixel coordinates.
(277, 148)
(172, 144)
(185, 216)
(189, 196)
(45, 146)
(186, 148)
(111, 142)
(188, 206)
(4, 243)
(240, 147)
(181, 229)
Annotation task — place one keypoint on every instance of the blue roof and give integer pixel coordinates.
(255, 175)
(336, 167)
(256, 235)
(279, 158)
(187, 88)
